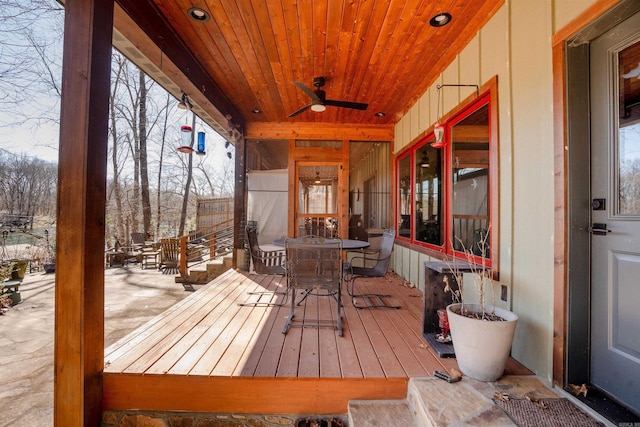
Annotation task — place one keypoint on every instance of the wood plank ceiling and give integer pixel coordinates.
(380, 52)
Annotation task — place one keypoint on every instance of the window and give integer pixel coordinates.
(428, 200)
(404, 196)
(447, 197)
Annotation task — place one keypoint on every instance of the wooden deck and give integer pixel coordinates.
(208, 353)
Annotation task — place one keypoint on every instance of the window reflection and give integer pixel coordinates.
(629, 131)
(404, 197)
(470, 180)
(428, 200)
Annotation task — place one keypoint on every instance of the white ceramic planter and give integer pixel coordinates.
(482, 347)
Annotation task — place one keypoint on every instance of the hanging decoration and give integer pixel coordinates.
(185, 136)
(438, 126)
(200, 148)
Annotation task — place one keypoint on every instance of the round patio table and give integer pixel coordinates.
(347, 244)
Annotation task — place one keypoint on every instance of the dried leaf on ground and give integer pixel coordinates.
(579, 389)
(539, 403)
(498, 395)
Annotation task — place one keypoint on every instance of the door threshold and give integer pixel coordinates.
(607, 408)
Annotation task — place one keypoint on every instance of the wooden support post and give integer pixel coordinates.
(239, 207)
(212, 246)
(82, 173)
(183, 255)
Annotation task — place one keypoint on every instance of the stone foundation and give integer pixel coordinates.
(196, 419)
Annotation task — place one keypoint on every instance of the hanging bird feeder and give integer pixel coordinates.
(200, 151)
(185, 137)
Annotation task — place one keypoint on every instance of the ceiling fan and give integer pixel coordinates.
(319, 101)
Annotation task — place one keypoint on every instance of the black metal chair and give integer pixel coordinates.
(381, 258)
(314, 263)
(264, 262)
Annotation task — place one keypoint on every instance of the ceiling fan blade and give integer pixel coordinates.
(308, 91)
(300, 111)
(346, 104)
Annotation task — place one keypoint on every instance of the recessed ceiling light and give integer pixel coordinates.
(198, 14)
(256, 111)
(440, 20)
(380, 114)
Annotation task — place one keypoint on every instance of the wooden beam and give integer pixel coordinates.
(145, 14)
(131, 41)
(477, 133)
(353, 132)
(245, 394)
(82, 172)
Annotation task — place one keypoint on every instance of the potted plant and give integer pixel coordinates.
(482, 334)
(19, 268)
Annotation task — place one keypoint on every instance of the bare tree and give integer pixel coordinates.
(27, 185)
(144, 174)
(185, 198)
(115, 150)
(162, 146)
(30, 61)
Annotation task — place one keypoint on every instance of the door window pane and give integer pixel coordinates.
(628, 168)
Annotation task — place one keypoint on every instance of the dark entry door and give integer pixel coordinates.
(615, 225)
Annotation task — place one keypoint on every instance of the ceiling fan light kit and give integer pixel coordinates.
(319, 99)
(318, 108)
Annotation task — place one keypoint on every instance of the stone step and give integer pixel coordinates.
(378, 413)
(205, 273)
(433, 402)
(438, 403)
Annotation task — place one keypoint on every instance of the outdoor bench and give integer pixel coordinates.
(11, 288)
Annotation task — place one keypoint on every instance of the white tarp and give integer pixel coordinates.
(267, 202)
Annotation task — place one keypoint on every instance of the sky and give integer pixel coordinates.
(41, 139)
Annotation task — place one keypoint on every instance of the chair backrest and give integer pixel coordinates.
(137, 239)
(314, 262)
(170, 249)
(384, 256)
(263, 262)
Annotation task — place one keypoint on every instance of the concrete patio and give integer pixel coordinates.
(132, 297)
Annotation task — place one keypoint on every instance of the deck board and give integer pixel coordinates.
(212, 345)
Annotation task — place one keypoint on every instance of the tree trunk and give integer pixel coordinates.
(114, 161)
(144, 175)
(185, 199)
(159, 191)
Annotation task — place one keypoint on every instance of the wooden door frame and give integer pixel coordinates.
(338, 156)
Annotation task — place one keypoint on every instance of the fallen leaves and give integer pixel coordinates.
(579, 389)
(537, 402)
(503, 397)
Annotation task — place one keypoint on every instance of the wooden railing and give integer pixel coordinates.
(325, 225)
(205, 245)
(468, 228)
